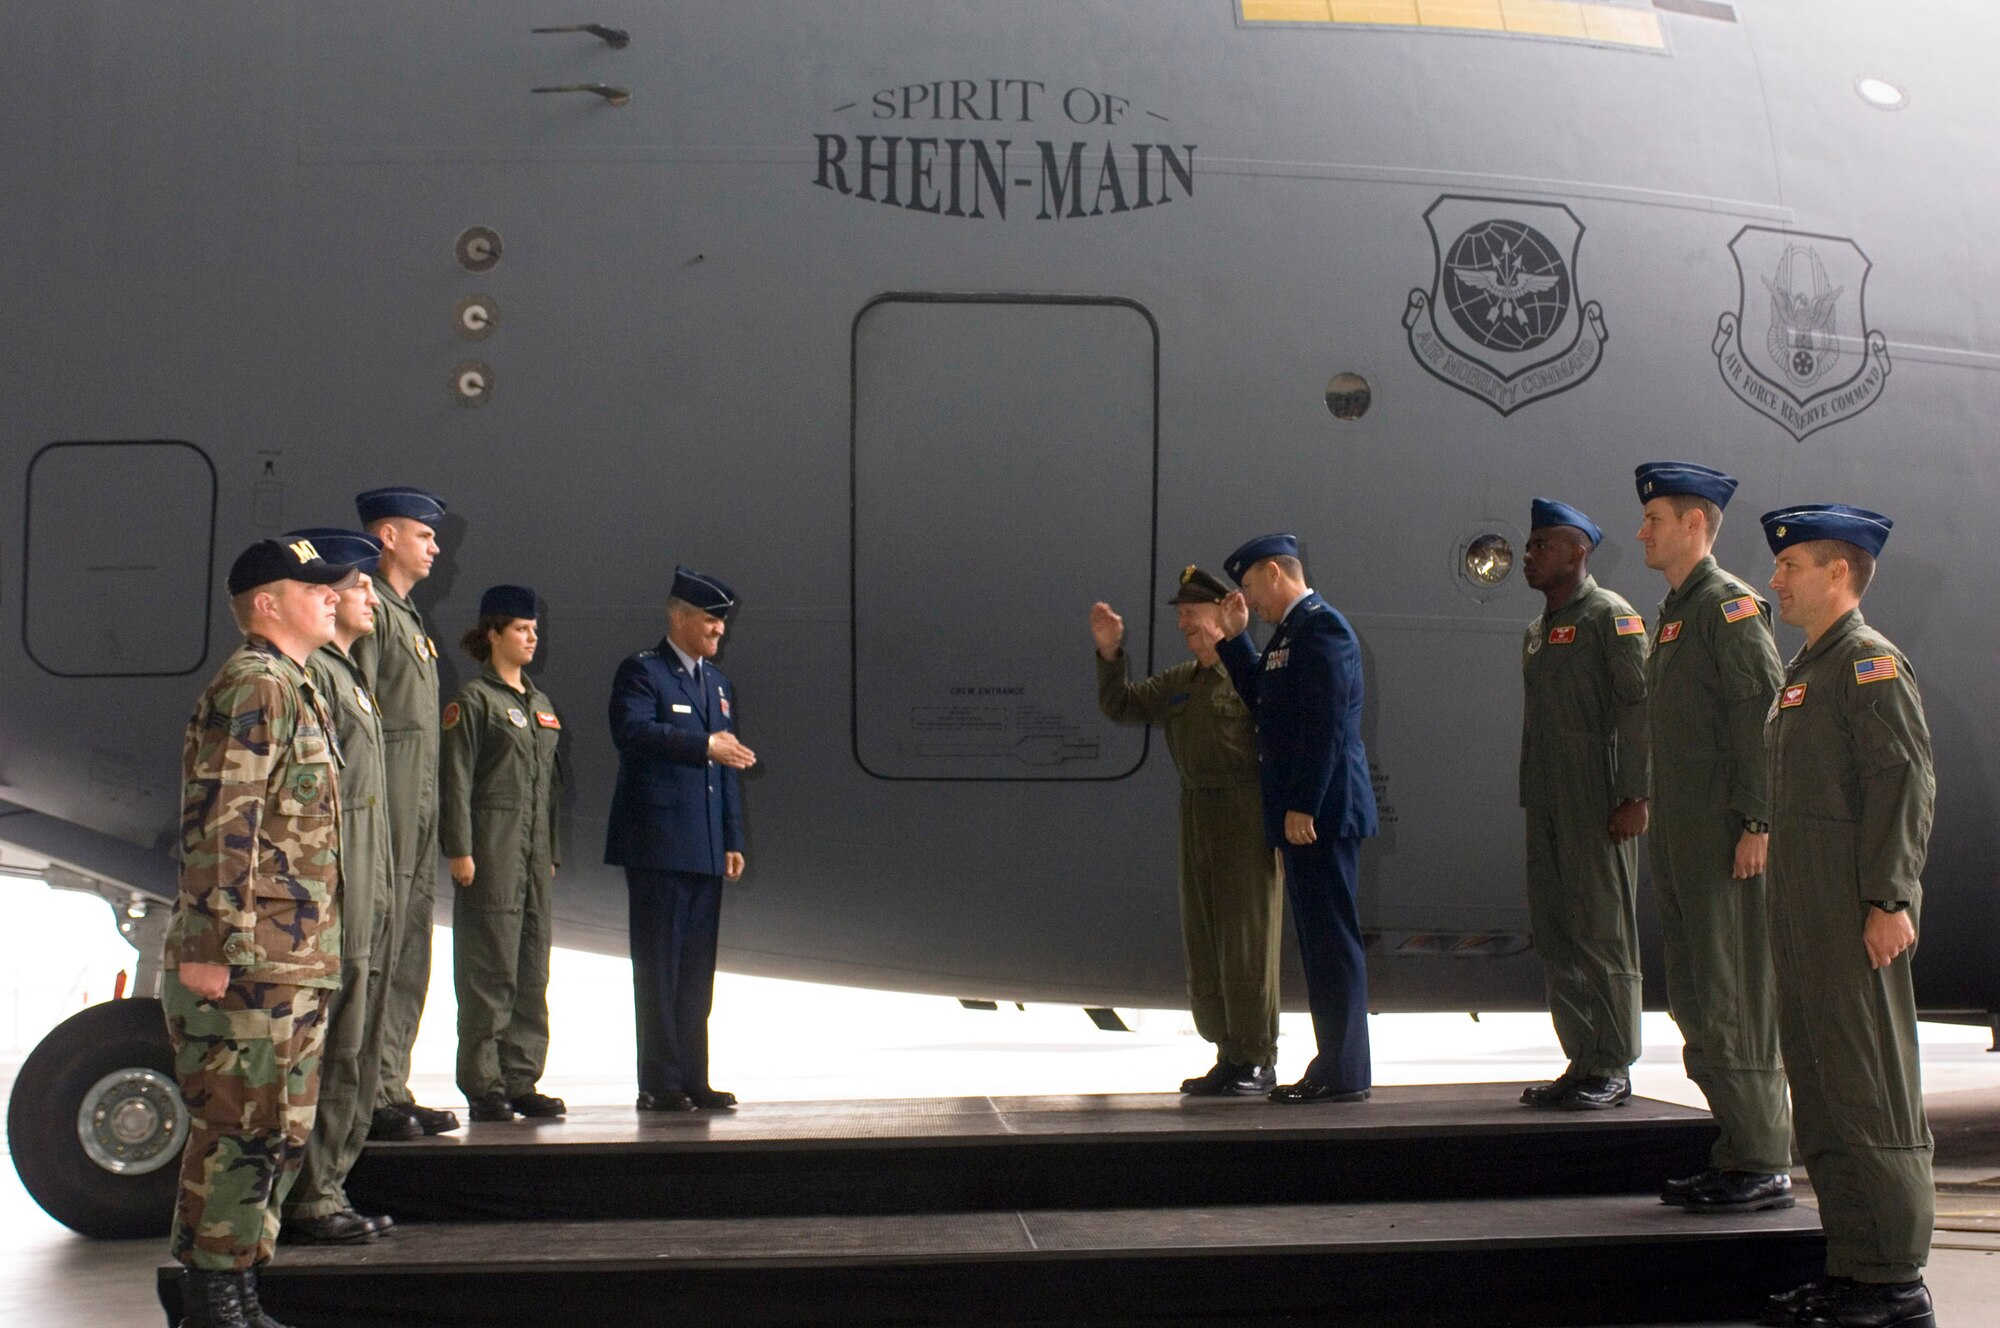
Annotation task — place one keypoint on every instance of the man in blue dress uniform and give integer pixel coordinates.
(677, 830)
(1319, 803)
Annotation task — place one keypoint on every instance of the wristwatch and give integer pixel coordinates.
(1889, 905)
(1756, 827)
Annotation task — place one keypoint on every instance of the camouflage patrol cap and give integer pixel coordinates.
(295, 560)
(1198, 587)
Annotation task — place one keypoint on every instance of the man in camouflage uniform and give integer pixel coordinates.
(1710, 678)
(1584, 785)
(1231, 890)
(253, 950)
(318, 1211)
(1852, 793)
(401, 662)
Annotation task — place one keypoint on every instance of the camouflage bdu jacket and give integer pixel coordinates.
(260, 827)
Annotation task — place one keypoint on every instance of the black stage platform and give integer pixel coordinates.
(1445, 1205)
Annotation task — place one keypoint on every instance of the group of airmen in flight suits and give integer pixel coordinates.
(1787, 808)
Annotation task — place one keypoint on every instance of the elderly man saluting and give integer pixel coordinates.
(1319, 802)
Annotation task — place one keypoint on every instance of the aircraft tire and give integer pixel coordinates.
(117, 1055)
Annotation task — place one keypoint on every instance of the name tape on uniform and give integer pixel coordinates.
(1795, 695)
(680, 709)
(547, 719)
(1562, 636)
(1669, 632)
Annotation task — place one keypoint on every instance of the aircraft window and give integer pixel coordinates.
(1484, 558)
(1601, 22)
(1348, 396)
(1881, 94)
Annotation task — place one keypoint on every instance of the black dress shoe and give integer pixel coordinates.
(1597, 1093)
(381, 1223)
(711, 1099)
(1548, 1094)
(1788, 1306)
(1740, 1192)
(1249, 1081)
(431, 1120)
(393, 1124)
(1676, 1191)
(1305, 1090)
(665, 1102)
(1873, 1305)
(346, 1227)
(491, 1107)
(539, 1105)
(1209, 1083)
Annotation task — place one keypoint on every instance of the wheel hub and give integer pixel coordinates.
(132, 1122)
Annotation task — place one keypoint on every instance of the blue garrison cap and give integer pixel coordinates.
(1549, 512)
(704, 592)
(415, 504)
(1826, 521)
(1264, 546)
(343, 548)
(510, 601)
(286, 560)
(1664, 479)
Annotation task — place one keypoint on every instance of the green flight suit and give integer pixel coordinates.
(1583, 752)
(1710, 678)
(1852, 791)
(499, 782)
(400, 661)
(351, 1061)
(1231, 889)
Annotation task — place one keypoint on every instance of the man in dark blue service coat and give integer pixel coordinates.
(1319, 803)
(677, 830)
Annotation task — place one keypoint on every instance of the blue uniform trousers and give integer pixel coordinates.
(1320, 880)
(674, 917)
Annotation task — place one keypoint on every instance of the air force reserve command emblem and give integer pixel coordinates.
(1503, 319)
(1797, 347)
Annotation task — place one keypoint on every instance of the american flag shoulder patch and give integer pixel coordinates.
(1629, 625)
(1880, 668)
(1736, 610)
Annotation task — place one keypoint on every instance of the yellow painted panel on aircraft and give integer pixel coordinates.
(1544, 18)
(1284, 11)
(1480, 15)
(1626, 27)
(1383, 11)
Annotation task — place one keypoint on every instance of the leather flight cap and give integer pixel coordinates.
(288, 560)
(1549, 512)
(1257, 550)
(510, 601)
(343, 548)
(704, 592)
(416, 504)
(1664, 479)
(1858, 526)
(1198, 587)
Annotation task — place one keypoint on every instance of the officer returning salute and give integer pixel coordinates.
(318, 1211)
(1710, 678)
(677, 830)
(1230, 885)
(400, 659)
(1319, 803)
(1584, 786)
(253, 950)
(498, 821)
(1851, 797)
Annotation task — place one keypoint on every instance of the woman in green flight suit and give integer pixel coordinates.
(500, 778)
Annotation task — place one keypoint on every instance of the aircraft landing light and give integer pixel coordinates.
(1600, 22)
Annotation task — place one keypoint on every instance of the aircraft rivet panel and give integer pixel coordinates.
(479, 249)
(475, 317)
(472, 383)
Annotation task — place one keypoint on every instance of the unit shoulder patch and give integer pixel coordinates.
(1629, 624)
(451, 715)
(1877, 668)
(1794, 695)
(1736, 610)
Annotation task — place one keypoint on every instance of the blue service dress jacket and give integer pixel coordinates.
(673, 809)
(1305, 690)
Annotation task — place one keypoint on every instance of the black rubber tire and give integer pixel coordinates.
(41, 1122)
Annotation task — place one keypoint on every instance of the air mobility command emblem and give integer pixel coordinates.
(1879, 669)
(517, 717)
(1797, 348)
(1629, 625)
(1503, 320)
(361, 699)
(1736, 610)
(1562, 636)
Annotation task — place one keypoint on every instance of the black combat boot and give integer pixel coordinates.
(254, 1313)
(213, 1300)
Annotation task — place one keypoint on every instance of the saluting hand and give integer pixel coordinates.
(724, 749)
(1107, 629)
(1887, 935)
(1235, 614)
(461, 870)
(1299, 828)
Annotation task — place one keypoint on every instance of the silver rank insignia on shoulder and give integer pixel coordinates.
(516, 717)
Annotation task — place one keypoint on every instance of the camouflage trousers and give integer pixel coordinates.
(248, 1067)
